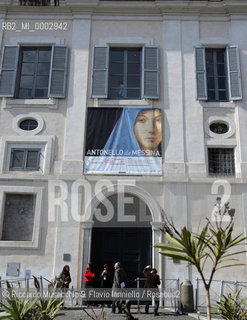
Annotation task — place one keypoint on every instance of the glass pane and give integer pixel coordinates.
(222, 95)
(32, 159)
(27, 68)
(44, 55)
(133, 81)
(41, 93)
(221, 69)
(116, 55)
(220, 56)
(28, 124)
(116, 68)
(210, 83)
(116, 94)
(221, 82)
(25, 93)
(29, 55)
(210, 70)
(44, 68)
(26, 81)
(133, 68)
(17, 160)
(134, 56)
(211, 95)
(133, 93)
(219, 127)
(42, 81)
(209, 56)
(116, 81)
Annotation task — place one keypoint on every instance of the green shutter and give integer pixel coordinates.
(150, 72)
(58, 72)
(234, 80)
(201, 75)
(100, 72)
(8, 71)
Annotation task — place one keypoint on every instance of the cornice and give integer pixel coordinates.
(146, 9)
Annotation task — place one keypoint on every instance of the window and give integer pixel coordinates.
(25, 159)
(33, 72)
(18, 218)
(125, 73)
(218, 74)
(221, 162)
(28, 124)
(219, 127)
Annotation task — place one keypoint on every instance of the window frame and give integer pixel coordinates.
(15, 80)
(25, 158)
(233, 73)
(45, 143)
(38, 192)
(216, 75)
(125, 73)
(233, 164)
(150, 70)
(22, 49)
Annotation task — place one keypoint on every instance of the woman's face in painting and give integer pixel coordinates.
(148, 129)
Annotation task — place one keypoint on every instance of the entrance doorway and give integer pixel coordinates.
(131, 246)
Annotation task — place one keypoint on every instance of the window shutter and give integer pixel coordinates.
(8, 71)
(201, 75)
(17, 159)
(33, 157)
(150, 72)
(100, 72)
(58, 72)
(234, 80)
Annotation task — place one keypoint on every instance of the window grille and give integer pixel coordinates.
(221, 161)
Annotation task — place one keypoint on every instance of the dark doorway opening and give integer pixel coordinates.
(131, 246)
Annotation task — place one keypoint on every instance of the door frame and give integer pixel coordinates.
(87, 225)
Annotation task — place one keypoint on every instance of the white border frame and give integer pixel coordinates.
(25, 116)
(225, 120)
(46, 142)
(38, 192)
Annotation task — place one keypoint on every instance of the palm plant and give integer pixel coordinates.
(230, 308)
(26, 309)
(16, 309)
(211, 244)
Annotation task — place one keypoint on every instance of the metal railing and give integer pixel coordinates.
(43, 3)
(217, 290)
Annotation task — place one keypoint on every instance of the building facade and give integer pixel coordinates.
(82, 62)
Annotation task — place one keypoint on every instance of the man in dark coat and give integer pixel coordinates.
(119, 281)
(152, 282)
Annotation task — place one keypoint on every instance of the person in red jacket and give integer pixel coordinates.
(89, 276)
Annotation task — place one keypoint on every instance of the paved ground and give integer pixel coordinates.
(79, 314)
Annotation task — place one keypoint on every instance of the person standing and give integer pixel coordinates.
(152, 282)
(106, 281)
(65, 278)
(119, 281)
(105, 278)
(89, 276)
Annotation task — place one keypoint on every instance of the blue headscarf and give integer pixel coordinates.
(122, 136)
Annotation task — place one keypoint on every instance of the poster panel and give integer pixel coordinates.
(123, 141)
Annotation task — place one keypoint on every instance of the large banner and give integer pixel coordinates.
(124, 141)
